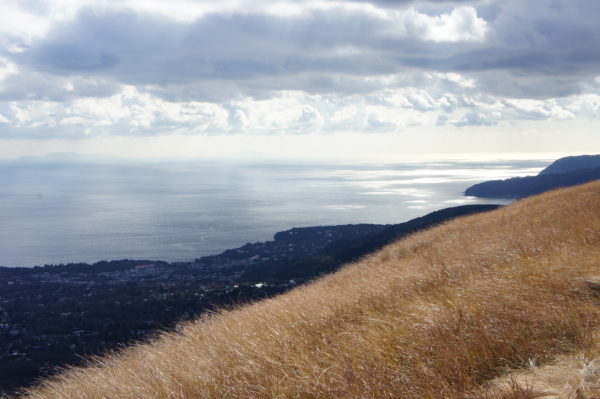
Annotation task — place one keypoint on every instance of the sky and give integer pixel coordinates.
(295, 79)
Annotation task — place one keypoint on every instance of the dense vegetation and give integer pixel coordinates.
(448, 312)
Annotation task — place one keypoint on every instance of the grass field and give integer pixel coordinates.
(498, 305)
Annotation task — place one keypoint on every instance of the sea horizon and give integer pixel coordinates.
(62, 209)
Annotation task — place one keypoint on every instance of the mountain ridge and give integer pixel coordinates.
(572, 163)
(564, 172)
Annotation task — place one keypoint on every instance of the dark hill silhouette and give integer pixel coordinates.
(570, 164)
(548, 179)
(343, 251)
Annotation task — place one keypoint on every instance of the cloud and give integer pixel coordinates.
(539, 110)
(473, 118)
(143, 49)
(461, 24)
(271, 66)
(23, 84)
(527, 50)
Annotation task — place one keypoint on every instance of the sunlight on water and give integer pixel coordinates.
(56, 211)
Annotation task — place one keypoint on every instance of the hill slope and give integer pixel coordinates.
(569, 164)
(519, 187)
(80, 309)
(437, 314)
(339, 252)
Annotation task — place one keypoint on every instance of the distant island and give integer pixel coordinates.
(564, 172)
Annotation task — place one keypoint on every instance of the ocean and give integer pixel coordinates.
(55, 210)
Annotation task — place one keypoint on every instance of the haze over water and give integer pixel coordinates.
(58, 211)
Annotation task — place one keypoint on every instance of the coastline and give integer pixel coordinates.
(59, 315)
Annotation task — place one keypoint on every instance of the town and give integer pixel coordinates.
(56, 316)
(63, 314)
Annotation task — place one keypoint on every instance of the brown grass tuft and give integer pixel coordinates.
(440, 314)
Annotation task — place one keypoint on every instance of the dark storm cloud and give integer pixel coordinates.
(530, 50)
(144, 49)
(259, 52)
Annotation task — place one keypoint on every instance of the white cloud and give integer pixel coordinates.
(15, 22)
(461, 24)
(137, 112)
(475, 118)
(7, 68)
(538, 109)
(586, 104)
(460, 80)
(144, 68)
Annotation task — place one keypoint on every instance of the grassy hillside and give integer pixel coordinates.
(445, 313)
(340, 252)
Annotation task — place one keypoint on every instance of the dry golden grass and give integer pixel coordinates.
(440, 314)
(570, 377)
